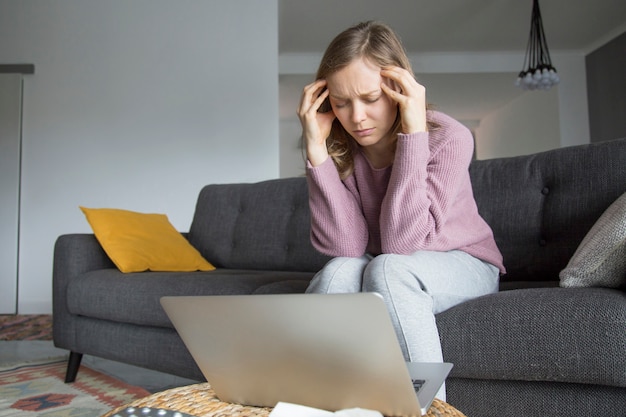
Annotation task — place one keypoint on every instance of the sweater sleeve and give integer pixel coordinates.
(338, 227)
(428, 178)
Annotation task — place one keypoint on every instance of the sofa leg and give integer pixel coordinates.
(73, 364)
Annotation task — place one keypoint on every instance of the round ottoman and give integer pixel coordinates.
(200, 400)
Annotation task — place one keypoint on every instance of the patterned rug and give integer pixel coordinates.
(26, 327)
(37, 389)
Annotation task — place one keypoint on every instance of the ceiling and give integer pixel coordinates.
(451, 26)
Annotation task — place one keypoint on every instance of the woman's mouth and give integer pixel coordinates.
(363, 132)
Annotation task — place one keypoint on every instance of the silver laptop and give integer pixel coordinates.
(328, 351)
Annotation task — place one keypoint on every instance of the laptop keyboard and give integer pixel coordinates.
(417, 384)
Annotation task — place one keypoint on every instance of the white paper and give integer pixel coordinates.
(283, 409)
(357, 412)
(294, 410)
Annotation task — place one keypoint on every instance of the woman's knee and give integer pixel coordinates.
(390, 270)
(340, 274)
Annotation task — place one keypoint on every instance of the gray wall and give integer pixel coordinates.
(606, 89)
(135, 105)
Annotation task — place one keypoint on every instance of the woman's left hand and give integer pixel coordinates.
(410, 96)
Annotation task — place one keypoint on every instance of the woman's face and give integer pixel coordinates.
(361, 106)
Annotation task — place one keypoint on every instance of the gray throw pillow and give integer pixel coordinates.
(600, 259)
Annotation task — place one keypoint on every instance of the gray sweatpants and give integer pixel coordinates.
(415, 287)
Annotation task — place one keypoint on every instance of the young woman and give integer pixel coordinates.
(389, 189)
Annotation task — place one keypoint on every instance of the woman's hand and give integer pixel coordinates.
(315, 125)
(410, 96)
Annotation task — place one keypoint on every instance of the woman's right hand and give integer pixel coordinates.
(315, 125)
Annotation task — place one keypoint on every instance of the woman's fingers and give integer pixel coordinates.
(403, 82)
(403, 88)
(313, 96)
(315, 125)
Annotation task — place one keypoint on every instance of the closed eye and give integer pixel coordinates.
(340, 104)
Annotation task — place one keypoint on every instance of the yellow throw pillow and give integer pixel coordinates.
(138, 242)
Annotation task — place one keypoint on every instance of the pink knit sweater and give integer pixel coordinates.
(424, 201)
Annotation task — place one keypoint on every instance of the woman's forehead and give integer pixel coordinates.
(360, 77)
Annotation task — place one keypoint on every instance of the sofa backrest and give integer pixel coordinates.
(265, 226)
(541, 206)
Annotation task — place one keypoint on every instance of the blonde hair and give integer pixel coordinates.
(379, 44)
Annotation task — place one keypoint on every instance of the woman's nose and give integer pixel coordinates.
(358, 112)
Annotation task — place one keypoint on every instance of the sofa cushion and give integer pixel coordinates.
(574, 335)
(108, 294)
(600, 260)
(138, 242)
(264, 225)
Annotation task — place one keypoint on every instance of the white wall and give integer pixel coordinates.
(527, 125)
(572, 116)
(136, 105)
(292, 162)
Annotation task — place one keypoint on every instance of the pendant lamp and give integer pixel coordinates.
(538, 72)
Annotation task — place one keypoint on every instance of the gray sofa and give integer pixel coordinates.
(533, 349)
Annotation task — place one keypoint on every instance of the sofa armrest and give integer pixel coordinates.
(74, 254)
